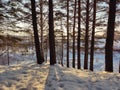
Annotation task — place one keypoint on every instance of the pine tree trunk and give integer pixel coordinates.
(8, 56)
(62, 43)
(62, 51)
(86, 37)
(36, 37)
(67, 33)
(41, 26)
(93, 37)
(51, 34)
(79, 33)
(119, 66)
(110, 37)
(73, 63)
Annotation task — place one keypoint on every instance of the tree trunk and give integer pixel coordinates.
(67, 33)
(41, 26)
(110, 37)
(51, 34)
(73, 63)
(119, 66)
(93, 37)
(36, 37)
(62, 44)
(86, 37)
(79, 33)
(8, 56)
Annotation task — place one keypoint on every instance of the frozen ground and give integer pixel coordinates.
(30, 76)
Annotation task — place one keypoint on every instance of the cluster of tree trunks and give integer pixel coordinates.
(93, 37)
(109, 38)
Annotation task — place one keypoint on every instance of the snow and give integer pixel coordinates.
(28, 75)
(99, 60)
(117, 45)
(24, 76)
(72, 79)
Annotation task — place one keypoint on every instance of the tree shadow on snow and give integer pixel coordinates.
(60, 78)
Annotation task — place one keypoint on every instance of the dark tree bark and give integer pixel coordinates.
(67, 33)
(73, 63)
(110, 37)
(51, 34)
(47, 47)
(36, 37)
(79, 33)
(93, 37)
(41, 27)
(119, 66)
(86, 36)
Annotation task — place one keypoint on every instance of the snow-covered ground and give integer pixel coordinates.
(24, 76)
(31, 76)
(99, 60)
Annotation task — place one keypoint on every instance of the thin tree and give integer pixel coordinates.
(36, 37)
(93, 37)
(86, 36)
(51, 34)
(119, 66)
(73, 63)
(62, 43)
(67, 33)
(8, 54)
(110, 37)
(79, 33)
(41, 27)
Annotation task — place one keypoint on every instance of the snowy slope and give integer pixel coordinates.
(30, 76)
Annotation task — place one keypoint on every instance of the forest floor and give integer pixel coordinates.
(28, 75)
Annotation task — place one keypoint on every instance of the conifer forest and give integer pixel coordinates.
(59, 44)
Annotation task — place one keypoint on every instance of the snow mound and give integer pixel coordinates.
(31, 76)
